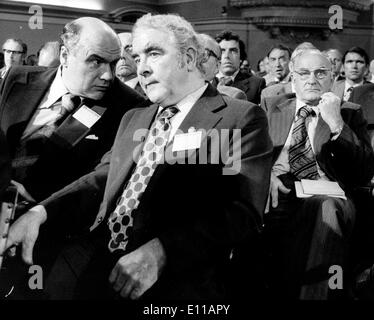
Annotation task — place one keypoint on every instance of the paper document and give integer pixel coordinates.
(308, 188)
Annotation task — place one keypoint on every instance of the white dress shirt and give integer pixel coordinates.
(184, 106)
(132, 82)
(44, 115)
(221, 75)
(282, 165)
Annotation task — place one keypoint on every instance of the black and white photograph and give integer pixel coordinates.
(187, 158)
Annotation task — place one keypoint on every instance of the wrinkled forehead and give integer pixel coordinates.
(312, 61)
(145, 38)
(105, 46)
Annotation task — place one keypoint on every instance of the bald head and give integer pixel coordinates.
(92, 30)
(88, 55)
(126, 66)
(126, 40)
(211, 62)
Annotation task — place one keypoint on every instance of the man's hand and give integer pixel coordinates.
(25, 231)
(137, 271)
(276, 185)
(329, 107)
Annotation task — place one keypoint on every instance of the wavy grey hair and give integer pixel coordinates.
(183, 32)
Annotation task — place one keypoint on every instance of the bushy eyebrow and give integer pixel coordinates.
(148, 49)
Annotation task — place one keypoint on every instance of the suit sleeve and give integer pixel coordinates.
(218, 230)
(79, 202)
(4, 165)
(349, 159)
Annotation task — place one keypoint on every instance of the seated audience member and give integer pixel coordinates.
(315, 137)
(31, 60)
(60, 121)
(233, 51)
(147, 241)
(126, 66)
(355, 65)
(279, 58)
(335, 57)
(15, 51)
(285, 87)
(211, 64)
(49, 54)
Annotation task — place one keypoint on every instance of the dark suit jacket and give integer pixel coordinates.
(196, 211)
(4, 165)
(251, 85)
(349, 159)
(364, 96)
(338, 87)
(21, 93)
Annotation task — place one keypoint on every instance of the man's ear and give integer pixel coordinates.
(64, 56)
(191, 57)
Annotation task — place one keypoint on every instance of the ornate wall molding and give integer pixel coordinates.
(360, 5)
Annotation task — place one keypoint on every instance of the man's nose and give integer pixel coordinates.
(107, 74)
(143, 68)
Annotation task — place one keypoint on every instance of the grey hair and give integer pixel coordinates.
(182, 31)
(299, 53)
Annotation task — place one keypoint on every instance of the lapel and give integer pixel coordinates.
(29, 90)
(242, 82)
(280, 121)
(128, 149)
(201, 116)
(321, 135)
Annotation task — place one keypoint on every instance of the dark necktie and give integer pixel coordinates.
(121, 220)
(301, 157)
(347, 95)
(63, 106)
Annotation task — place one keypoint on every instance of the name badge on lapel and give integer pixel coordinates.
(86, 116)
(187, 141)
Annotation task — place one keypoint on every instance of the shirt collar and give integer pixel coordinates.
(190, 99)
(300, 104)
(57, 89)
(347, 85)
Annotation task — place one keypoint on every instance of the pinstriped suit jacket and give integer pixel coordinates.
(348, 160)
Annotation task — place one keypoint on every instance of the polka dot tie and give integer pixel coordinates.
(121, 220)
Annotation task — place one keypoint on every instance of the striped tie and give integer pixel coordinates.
(301, 157)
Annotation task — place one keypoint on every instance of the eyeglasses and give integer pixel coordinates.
(319, 74)
(12, 51)
(210, 53)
